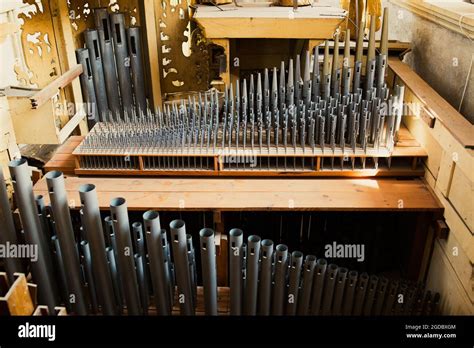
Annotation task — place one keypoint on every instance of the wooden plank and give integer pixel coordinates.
(17, 300)
(258, 194)
(153, 55)
(461, 196)
(443, 279)
(48, 92)
(457, 125)
(307, 23)
(463, 268)
(65, 36)
(72, 124)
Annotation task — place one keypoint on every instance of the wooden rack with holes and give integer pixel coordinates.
(404, 160)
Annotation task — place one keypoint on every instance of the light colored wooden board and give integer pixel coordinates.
(445, 174)
(461, 196)
(443, 279)
(257, 194)
(306, 23)
(463, 268)
(420, 131)
(457, 125)
(18, 299)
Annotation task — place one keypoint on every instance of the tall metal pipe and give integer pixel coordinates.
(265, 283)
(318, 286)
(95, 236)
(87, 86)
(209, 272)
(294, 282)
(235, 269)
(8, 234)
(122, 59)
(279, 284)
(42, 269)
(180, 256)
(67, 241)
(92, 43)
(251, 283)
(102, 24)
(308, 275)
(118, 208)
(136, 63)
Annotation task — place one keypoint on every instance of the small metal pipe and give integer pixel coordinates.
(119, 214)
(308, 275)
(180, 256)
(251, 283)
(279, 284)
(265, 283)
(209, 272)
(115, 278)
(89, 276)
(329, 286)
(296, 263)
(351, 285)
(360, 292)
(370, 295)
(235, 268)
(142, 285)
(318, 286)
(339, 292)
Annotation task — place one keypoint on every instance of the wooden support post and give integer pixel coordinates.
(318, 164)
(221, 249)
(15, 299)
(152, 45)
(422, 247)
(65, 40)
(225, 44)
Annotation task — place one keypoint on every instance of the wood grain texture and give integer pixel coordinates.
(257, 194)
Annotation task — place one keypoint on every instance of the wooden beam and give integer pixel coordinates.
(65, 39)
(434, 104)
(258, 194)
(48, 92)
(154, 63)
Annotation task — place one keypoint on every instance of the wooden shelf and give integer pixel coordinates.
(255, 194)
